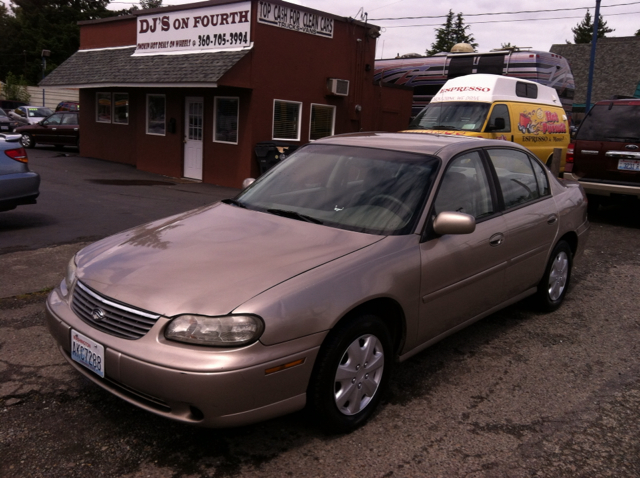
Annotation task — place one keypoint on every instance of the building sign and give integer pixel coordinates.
(297, 20)
(220, 27)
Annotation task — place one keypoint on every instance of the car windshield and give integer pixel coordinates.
(2, 113)
(452, 116)
(39, 112)
(360, 189)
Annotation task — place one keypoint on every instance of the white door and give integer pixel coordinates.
(194, 112)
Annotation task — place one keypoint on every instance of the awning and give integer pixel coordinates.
(112, 67)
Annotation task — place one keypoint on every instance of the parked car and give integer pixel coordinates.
(7, 125)
(353, 253)
(68, 106)
(29, 114)
(60, 129)
(605, 154)
(18, 184)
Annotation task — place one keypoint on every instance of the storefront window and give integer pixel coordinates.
(225, 128)
(156, 114)
(121, 108)
(103, 107)
(322, 121)
(286, 120)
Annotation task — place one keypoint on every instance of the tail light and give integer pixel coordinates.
(568, 167)
(18, 154)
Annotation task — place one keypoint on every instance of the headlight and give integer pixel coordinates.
(228, 331)
(70, 276)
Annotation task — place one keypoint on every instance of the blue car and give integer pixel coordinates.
(18, 184)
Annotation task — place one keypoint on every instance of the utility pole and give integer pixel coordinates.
(592, 60)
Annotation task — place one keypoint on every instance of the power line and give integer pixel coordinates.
(505, 21)
(507, 13)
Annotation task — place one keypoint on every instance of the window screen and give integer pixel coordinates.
(286, 120)
(322, 121)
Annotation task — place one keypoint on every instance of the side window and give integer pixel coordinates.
(541, 177)
(286, 120)
(103, 107)
(515, 175)
(226, 113)
(156, 105)
(53, 120)
(69, 119)
(465, 188)
(500, 126)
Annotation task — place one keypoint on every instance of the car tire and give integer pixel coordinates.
(552, 289)
(351, 373)
(27, 141)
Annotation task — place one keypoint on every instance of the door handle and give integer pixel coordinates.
(496, 239)
(552, 219)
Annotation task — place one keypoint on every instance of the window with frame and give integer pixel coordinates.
(499, 111)
(322, 121)
(286, 120)
(103, 107)
(518, 180)
(121, 108)
(226, 113)
(156, 112)
(465, 187)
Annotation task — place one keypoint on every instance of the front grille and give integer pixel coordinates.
(109, 316)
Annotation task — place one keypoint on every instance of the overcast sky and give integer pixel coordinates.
(537, 24)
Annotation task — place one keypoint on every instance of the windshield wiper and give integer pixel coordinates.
(294, 215)
(445, 127)
(234, 202)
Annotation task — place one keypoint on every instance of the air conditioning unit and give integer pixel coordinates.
(338, 87)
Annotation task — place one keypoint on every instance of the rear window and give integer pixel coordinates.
(610, 122)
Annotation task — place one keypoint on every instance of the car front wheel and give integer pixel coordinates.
(555, 282)
(351, 373)
(27, 141)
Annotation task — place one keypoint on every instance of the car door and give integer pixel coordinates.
(530, 215)
(462, 276)
(67, 132)
(47, 130)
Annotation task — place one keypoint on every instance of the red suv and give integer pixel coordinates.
(605, 154)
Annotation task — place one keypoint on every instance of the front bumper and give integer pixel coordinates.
(204, 386)
(604, 188)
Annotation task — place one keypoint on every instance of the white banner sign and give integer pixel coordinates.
(297, 20)
(221, 27)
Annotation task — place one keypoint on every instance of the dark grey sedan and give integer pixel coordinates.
(18, 184)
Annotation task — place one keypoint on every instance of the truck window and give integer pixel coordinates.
(499, 111)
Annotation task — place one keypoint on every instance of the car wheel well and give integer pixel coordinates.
(570, 238)
(390, 312)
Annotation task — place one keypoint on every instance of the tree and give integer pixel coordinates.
(583, 31)
(146, 4)
(638, 33)
(16, 89)
(36, 25)
(451, 32)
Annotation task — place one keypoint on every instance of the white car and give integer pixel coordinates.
(30, 114)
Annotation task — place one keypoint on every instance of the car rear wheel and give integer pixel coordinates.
(555, 282)
(27, 141)
(351, 372)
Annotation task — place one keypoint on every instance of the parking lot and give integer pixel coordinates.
(518, 394)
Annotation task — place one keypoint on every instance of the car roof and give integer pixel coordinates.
(423, 143)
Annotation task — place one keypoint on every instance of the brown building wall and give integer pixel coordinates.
(117, 32)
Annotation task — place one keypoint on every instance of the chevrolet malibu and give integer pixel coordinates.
(356, 252)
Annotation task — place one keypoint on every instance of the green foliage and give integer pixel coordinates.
(453, 31)
(16, 89)
(145, 4)
(583, 31)
(36, 25)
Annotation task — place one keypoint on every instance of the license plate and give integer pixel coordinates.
(4, 128)
(629, 164)
(87, 352)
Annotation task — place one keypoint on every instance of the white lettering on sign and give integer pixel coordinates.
(220, 27)
(296, 20)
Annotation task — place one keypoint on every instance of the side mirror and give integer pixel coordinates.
(247, 182)
(449, 222)
(499, 124)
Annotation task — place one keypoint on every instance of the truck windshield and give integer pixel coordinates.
(452, 116)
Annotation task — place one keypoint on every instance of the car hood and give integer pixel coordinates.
(209, 260)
